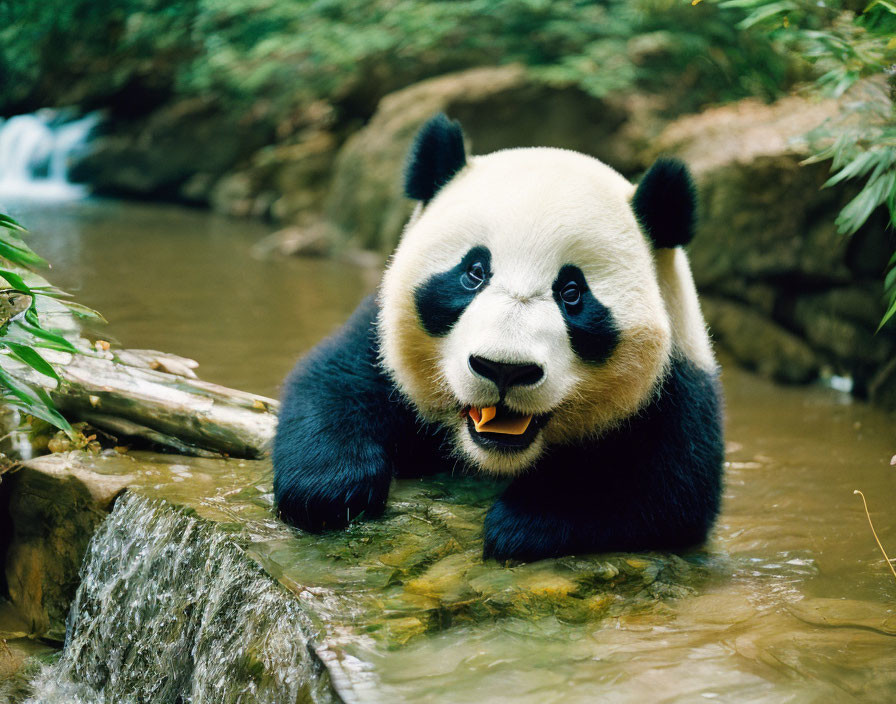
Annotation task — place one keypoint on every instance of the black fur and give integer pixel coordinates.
(435, 157)
(344, 431)
(665, 203)
(442, 298)
(654, 484)
(591, 327)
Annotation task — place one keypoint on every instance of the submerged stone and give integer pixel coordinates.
(847, 613)
(171, 599)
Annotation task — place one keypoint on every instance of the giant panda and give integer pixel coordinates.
(537, 321)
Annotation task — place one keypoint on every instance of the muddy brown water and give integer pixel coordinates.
(796, 603)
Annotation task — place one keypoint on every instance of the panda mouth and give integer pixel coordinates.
(498, 428)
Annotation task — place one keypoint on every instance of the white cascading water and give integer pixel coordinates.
(34, 154)
(171, 609)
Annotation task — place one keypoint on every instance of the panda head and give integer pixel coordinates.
(521, 308)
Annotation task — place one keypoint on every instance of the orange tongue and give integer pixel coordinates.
(485, 422)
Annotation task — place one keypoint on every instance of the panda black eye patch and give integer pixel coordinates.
(590, 324)
(442, 298)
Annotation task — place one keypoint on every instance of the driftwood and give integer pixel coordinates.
(133, 393)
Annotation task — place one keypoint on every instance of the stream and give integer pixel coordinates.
(790, 601)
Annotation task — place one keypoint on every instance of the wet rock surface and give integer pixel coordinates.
(404, 609)
(53, 512)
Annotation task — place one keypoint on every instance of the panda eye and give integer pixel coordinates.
(571, 294)
(473, 277)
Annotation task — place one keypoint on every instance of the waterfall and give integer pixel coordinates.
(170, 609)
(34, 153)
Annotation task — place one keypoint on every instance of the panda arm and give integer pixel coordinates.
(333, 458)
(654, 484)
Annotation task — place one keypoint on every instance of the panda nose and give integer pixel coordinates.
(506, 374)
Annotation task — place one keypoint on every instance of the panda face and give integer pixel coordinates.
(521, 308)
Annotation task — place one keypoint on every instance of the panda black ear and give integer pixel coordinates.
(665, 203)
(435, 157)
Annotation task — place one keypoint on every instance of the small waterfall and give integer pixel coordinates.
(34, 153)
(171, 610)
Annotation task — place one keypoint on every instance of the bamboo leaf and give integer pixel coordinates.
(765, 12)
(33, 401)
(82, 311)
(859, 166)
(886, 4)
(20, 254)
(889, 314)
(890, 279)
(14, 280)
(47, 411)
(17, 388)
(51, 292)
(10, 224)
(858, 210)
(58, 342)
(30, 356)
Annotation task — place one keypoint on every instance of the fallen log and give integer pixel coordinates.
(133, 393)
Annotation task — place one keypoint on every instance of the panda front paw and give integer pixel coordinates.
(512, 533)
(330, 505)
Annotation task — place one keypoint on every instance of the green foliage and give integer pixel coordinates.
(281, 54)
(856, 59)
(21, 332)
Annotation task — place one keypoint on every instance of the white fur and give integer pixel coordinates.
(689, 334)
(536, 210)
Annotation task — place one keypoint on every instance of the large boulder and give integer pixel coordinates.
(286, 181)
(758, 343)
(762, 213)
(795, 297)
(177, 152)
(498, 108)
(53, 512)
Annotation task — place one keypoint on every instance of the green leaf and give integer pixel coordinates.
(33, 401)
(83, 311)
(886, 4)
(20, 254)
(58, 342)
(14, 280)
(16, 388)
(30, 356)
(51, 292)
(47, 411)
(765, 12)
(858, 210)
(10, 224)
(859, 166)
(889, 314)
(890, 279)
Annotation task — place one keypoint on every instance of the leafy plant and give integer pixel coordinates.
(279, 55)
(21, 333)
(856, 59)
